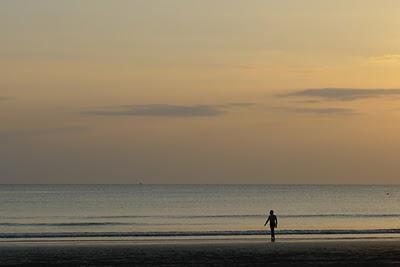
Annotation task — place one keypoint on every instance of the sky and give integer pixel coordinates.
(200, 92)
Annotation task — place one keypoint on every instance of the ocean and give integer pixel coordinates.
(30, 212)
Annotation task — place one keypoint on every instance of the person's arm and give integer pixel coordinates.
(276, 222)
(266, 222)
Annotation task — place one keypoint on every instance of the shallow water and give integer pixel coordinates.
(34, 211)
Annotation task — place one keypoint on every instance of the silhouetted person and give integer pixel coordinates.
(273, 223)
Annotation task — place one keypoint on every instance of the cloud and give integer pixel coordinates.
(343, 94)
(308, 101)
(37, 132)
(4, 98)
(243, 67)
(166, 110)
(240, 104)
(319, 111)
(388, 58)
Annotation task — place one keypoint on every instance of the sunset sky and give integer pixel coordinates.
(200, 91)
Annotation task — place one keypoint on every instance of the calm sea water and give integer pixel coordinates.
(79, 211)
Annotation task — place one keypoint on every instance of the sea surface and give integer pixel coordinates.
(201, 211)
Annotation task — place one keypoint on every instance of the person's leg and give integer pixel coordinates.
(272, 234)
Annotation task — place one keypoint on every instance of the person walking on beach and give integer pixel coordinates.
(273, 223)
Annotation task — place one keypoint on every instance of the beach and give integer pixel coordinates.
(203, 253)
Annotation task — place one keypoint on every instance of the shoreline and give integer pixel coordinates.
(199, 239)
(203, 252)
(84, 238)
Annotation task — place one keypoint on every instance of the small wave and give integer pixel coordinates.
(83, 224)
(332, 215)
(193, 234)
(344, 215)
(65, 224)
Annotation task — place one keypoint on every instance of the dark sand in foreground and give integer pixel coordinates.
(204, 253)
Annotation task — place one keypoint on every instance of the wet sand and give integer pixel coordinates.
(203, 253)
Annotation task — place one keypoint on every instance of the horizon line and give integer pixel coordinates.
(165, 184)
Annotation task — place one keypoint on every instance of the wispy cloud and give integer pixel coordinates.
(4, 98)
(308, 101)
(388, 58)
(165, 110)
(239, 104)
(244, 67)
(343, 94)
(38, 132)
(319, 111)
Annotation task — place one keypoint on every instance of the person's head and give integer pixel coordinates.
(271, 212)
